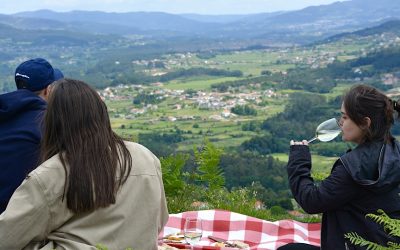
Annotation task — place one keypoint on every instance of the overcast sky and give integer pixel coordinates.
(169, 6)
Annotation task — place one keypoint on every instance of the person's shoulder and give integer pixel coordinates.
(395, 143)
(131, 144)
(19, 93)
(22, 99)
(136, 147)
(52, 167)
(142, 158)
(48, 175)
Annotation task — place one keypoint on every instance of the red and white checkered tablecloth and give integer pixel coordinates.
(259, 234)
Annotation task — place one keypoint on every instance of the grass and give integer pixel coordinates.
(249, 62)
(345, 58)
(339, 90)
(226, 133)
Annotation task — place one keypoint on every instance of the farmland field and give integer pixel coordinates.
(176, 112)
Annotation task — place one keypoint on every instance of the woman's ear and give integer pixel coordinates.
(46, 92)
(367, 121)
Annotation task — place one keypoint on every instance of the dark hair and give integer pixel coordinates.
(363, 101)
(23, 84)
(95, 159)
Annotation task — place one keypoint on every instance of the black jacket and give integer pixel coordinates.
(361, 181)
(21, 114)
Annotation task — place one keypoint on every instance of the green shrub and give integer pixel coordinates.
(204, 187)
(391, 226)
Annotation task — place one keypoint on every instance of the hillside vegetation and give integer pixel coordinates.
(219, 112)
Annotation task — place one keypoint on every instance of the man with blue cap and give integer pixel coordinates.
(21, 115)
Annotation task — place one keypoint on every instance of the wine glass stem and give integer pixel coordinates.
(312, 139)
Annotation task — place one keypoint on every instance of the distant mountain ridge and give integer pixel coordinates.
(139, 21)
(31, 23)
(322, 21)
(294, 27)
(392, 26)
(45, 32)
(224, 19)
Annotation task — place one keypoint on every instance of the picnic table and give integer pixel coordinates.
(258, 234)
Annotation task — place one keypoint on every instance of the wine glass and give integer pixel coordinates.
(327, 131)
(193, 230)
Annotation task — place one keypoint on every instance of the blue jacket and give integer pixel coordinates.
(361, 182)
(21, 115)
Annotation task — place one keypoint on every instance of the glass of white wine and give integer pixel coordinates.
(193, 230)
(327, 131)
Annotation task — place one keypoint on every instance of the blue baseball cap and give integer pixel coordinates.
(36, 74)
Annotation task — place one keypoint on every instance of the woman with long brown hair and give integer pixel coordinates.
(92, 187)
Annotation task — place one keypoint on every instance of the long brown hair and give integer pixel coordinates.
(363, 101)
(95, 159)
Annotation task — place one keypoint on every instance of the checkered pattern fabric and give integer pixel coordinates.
(259, 234)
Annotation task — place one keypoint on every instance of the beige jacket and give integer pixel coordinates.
(37, 218)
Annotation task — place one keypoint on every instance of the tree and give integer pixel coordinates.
(244, 110)
(207, 159)
(172, 173)
(266, 72)
(298, 121)
(161, 144)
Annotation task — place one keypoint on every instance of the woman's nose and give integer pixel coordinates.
(340, 122)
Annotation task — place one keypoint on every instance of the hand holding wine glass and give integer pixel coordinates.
(193, 230)
(326, 131)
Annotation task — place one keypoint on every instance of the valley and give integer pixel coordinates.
(236, 92)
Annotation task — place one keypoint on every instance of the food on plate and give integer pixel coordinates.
(240, 244)
(174, 238)
(219, 244)
(166, 247)
(232, 243)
